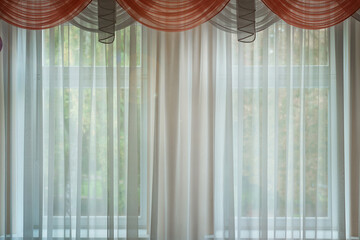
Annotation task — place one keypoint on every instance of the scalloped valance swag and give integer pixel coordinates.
(244, 17)
(313, 14)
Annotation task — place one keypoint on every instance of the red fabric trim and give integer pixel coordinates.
(172, 15)
(313, 14)
(40, 14)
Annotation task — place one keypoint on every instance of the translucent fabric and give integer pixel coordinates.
(177, 15)
(183, 136)
(356, 15)
(79, 128)
(40, 14)
(244, 18)
(88, 20)
(313, 14)
(172, 15)
(279, 167)
(353, 122)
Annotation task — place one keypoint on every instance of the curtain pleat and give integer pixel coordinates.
(354, 128)
(83, 162)
(133, 139)
(244, 18)
(170, 15)
(176, 15)
(88, 19)
(181, 130)
(39, 14)
(106, 20)
(313, 14)
(187, 135)
(5, 138)
(284, 166)
(356, 15)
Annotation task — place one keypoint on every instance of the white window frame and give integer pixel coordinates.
(87, 82)
(325, 81)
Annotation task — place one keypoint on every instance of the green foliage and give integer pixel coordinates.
(68, 47)
(82, 120)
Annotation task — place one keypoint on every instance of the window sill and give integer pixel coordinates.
(84, 234)
(279, 234)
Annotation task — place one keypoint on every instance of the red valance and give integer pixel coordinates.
(40, 14)
(172, 15)
(177, 15)
(313, 14)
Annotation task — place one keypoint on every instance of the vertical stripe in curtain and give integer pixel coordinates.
(178, 135)
(77, 155)
(264, 135)
(19, 59)
(279, 140)
(354, 128)
(256, 151)
(181, 130)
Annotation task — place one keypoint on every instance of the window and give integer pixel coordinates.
(80, 161)
(284, 158)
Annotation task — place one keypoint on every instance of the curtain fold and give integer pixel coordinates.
(9, 135)
(187, 135)
(177, 15)
(39, 14)
(172, 15)
(182, 134)
(80, 113)
(4, 226)
(244, 18)
(285, 160)
(356, 15)
(354, 101)
(313, 14)
(103, 17)
(88, 19)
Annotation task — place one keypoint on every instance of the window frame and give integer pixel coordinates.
(101, 83)
(325, 81)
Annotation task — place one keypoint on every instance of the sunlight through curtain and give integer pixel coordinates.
(185, 135)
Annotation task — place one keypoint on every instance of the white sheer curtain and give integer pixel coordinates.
(353, 128)
(78, 122)
(279, 156)
(257, 149)
(178, 135)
